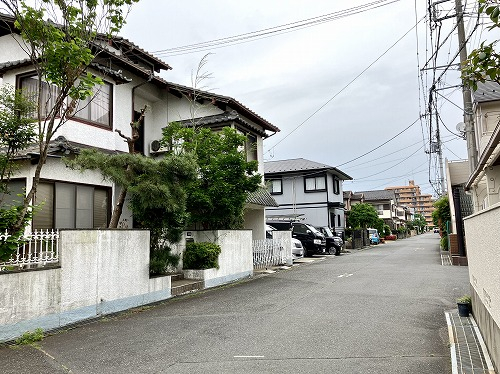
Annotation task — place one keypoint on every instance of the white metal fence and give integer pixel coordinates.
(268, 252)
(36, 250)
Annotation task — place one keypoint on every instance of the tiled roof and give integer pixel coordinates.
(228, 116)
(261, 197)
(487, 91)
(216, 98)
(134, 47)
(9, 65)
(378, 195)
(58, 147)
(300, 164)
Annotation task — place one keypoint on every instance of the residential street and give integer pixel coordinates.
(379, 310)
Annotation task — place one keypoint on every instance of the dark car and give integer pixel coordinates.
(314, 242)
(334, 243)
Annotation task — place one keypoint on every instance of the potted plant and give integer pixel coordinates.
(464, 306)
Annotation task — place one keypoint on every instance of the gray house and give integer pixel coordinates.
(307, 188)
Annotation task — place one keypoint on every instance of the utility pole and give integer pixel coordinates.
(439, 151)
(466, 92)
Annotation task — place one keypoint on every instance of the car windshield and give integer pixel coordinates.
(313, 229)
(327, 231)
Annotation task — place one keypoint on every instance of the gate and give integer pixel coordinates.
(267, 253)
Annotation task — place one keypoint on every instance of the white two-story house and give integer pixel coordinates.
(309, 189)
(131, 82)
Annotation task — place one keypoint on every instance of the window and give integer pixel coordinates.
(70, 206)
(96, 109)
(336, 186)
(251, 147)
(11, 197)
(49, 93)
(315, 184)
(275, 186)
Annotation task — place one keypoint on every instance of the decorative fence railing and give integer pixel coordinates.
(268, 252)
(35, 250)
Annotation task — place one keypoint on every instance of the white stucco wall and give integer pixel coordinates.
(483, 255)
(101, 272)
(235, 259)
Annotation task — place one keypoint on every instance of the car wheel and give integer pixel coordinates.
(331, 250)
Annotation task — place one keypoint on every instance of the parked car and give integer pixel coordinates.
(312, 240)
(373, 236)
(334, 243)
(297, 248)
(436, 230)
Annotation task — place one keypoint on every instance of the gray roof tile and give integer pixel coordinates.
(261, 197)
(378, 195)
(300, 164)
(487, 91)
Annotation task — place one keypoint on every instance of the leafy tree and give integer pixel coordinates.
(17, 132)
(61, 51)
(483, 63)
(363, 216)
(417, 223)
(217, 197)
(442, 213)
(157, 187)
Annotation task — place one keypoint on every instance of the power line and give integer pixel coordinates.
(271, 31)
(380, 146)
(345, 87)
(389, 168)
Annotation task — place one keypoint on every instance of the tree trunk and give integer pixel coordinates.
(117, 211)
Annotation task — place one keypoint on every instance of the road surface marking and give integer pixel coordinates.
(344, 275)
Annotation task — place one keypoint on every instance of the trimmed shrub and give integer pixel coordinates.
(202, 255)
(162, 261)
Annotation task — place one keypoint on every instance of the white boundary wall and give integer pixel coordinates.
(235, 260)
(101, 272)
(482, 231)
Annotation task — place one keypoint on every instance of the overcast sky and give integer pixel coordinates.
(306, 81)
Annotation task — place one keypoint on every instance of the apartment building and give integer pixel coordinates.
(411, 197)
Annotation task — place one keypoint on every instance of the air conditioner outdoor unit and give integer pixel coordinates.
(156, 147)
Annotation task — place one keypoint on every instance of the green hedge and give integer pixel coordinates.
(444, 243)
(202, 255)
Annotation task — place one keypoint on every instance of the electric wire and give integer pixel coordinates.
(343, 89)
(271, 31)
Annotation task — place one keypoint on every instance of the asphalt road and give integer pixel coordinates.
(379, 310)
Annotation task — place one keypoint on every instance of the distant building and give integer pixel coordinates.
(411, 197)
(308, 189)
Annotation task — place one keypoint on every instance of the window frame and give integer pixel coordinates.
(31, 74)
(336, 185)
(54, 198)
(271, 190)
(74, 117)
(316, 189)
